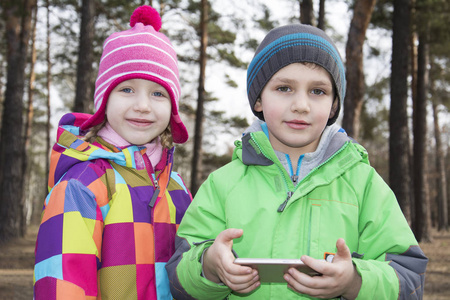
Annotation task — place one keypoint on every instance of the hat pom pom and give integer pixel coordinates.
(146, 15)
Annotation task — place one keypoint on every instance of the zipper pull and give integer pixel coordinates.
(155, 192)
(283, 205)
(294, 179)
(154, 197)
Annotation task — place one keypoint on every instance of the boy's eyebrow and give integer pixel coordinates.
(321, 82)
(283, 79)
(291, 81)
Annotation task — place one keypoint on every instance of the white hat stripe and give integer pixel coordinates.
(139, 45)
(101, 92)
(148, 62)
(135, 34)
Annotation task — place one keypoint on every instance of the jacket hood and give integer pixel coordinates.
(255, 147)
(70, 149)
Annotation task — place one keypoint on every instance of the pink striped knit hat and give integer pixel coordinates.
(140, 52)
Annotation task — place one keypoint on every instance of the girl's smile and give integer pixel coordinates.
(139, 110)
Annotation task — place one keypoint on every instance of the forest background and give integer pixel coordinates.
(397, 105)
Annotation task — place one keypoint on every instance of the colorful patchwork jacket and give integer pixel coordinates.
(106, 231)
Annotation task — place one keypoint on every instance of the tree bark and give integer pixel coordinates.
(421, 226)
(49, 80)
(197, 156)
(321, 19)
(399, 175)
(28, 205)
(362, 13)
(18, 28)
(83, 91)
(413, 70)
(306, 12)
(441, 180)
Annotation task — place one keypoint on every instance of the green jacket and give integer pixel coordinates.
(343, 197)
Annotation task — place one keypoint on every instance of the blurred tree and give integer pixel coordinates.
(48, 84)
(197, 156)
(439, 76)
(29, 121)
(85, 71)
(362, 12)
(440, 178)
(307, 12)
(399, 175)
(265, 23)
(321, 18)
(431, 24)
(3, 48)
(421, 225)
(18, 15)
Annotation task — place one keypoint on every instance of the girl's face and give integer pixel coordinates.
(297, 103)
(139, 110)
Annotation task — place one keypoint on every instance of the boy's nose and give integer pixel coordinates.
(300, 103)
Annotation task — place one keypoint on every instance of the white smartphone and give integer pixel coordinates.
(273, 269)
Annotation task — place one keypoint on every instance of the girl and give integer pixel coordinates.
(109, 221)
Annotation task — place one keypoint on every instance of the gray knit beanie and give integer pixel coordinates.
(292, 44)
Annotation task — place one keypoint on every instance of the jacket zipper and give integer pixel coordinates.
(151, 174)
(155, 193)
(290, 193)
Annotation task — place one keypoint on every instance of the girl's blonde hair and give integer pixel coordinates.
(165, 136)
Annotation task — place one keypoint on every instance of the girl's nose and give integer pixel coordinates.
(142, 103)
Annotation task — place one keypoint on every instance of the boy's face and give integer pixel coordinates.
(138, 110)
(297, 103)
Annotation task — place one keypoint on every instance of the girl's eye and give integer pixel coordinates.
(126, 90)
(317, 92)
(283, 89)
(160, 94)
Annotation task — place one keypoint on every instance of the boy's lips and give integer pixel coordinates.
(297, 124)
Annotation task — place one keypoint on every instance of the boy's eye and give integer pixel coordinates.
(317, 92)
(283, 89)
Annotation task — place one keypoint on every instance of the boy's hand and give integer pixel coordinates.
(219, 267)
(339, 278)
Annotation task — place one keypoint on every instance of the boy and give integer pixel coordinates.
(331, 201)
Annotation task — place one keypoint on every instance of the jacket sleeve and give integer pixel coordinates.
(393, 265)
(68, 244)
(203, 221)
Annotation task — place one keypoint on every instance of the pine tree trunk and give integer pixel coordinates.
(321, 20)
(413, 70)
(306, 12)
(83, 92)
(28, 204)
(441, 180)
(18, 28)
(421, 226)
(197, 156)
(399, 176)
(49, 79)
(362, 13)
